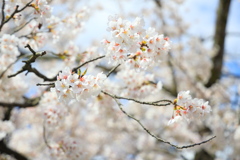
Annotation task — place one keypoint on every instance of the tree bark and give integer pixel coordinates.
(219, 39)
(202, 154)
(4, 149)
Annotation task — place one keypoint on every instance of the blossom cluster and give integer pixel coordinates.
(5, 128)
(139, 87)
(54, 112)
(11, 90)
(72, 22)
(188, 108)
(42, 9)
(8, 50)
(67, 148)
(131, 43)
(71, 86)
(77, 20)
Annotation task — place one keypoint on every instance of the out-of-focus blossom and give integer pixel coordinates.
(5, 128)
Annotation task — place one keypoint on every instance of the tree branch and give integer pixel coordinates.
(76, 68)
(12, 15)
(45, 136)
(4, 149)
(113, 70)
(154, 136)
(173, 90)
(46, 84)
(156, 103)
(28, 103)
(3, 14)
(28, 66)
(219, 39)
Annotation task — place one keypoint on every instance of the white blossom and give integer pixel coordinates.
(130, 42)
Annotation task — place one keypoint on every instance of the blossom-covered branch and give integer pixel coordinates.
(153, 135)
(13, 13)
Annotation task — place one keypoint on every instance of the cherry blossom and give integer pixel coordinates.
(137, 87)
(132, 44)
(71, 86)
(67, 148)
(188, 108)
(5, 128)
(42, 9)
(8, 50)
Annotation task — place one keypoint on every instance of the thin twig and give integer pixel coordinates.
(44, 135)
(30, 49)
(76, 68)
(140, 102)
(174, 78)
(27, 5)
(46, 84)
(112, 70)
(163, 100)
(154, 136)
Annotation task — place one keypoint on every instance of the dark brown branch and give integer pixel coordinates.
(27, 5)
(159, 3)
(7, 114)
(219, 39)
(154, 136)
(3, 14)
(28, 65)
(30, 49)
(46, 84)
(28, 103)
(4, 149)
(173, 90)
